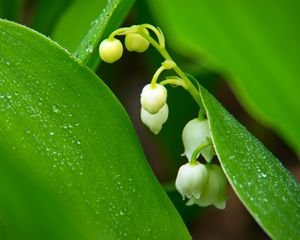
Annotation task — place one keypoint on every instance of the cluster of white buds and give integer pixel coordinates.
(203, 185)
(154, 110)
(111, 49)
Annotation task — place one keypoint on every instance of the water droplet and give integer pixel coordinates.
(89, 48)
(55, 109)
(51, 133)
(94, 22)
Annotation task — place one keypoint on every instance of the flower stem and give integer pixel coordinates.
(156, 75)
(119, 31)
(198, 150)
(158, 34)
(164, 53)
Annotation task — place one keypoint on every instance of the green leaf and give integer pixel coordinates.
(111, 17)
(69, 36)
(74, 135)
(25, 197)
(188, 213)
(266, 188)
(48, 13)
(256, 43)
(11, 9)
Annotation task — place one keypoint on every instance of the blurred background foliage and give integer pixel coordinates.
(245, 53)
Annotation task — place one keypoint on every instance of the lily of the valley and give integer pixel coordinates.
(153, 97)
(134, 42)
(195, 133)
(155, 121)
(111, 50)
(213, 192)
(154, 110)
(191, 179)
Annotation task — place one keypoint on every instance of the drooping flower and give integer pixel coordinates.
(111, 50)
(153, 98)
(155, 121)
(213, 192)
(195, 133)
(191, 179)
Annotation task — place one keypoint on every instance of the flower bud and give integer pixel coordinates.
(110, 50)
(153, 98)
(194, 134)
(136, 42)
(155, 121)
(191, 179)
(213, 192)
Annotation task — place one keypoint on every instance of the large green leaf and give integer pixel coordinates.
(266, 188)
(71, 130)
(255, 42)
(29, 208)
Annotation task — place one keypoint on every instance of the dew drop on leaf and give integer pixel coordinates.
(55, 109)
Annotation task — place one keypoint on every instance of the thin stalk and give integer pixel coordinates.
(189, 86)
(197, 151)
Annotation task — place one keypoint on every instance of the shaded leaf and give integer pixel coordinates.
(256, 43)
(11, 9)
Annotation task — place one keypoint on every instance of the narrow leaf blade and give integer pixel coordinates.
(266, 188)
(111, 17)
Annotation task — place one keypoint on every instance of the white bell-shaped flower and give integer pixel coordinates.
(194, 134)
(137, 43)
(213, 193)
(191, 179)
(155, 121)
(111, 50)
(153, 98)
